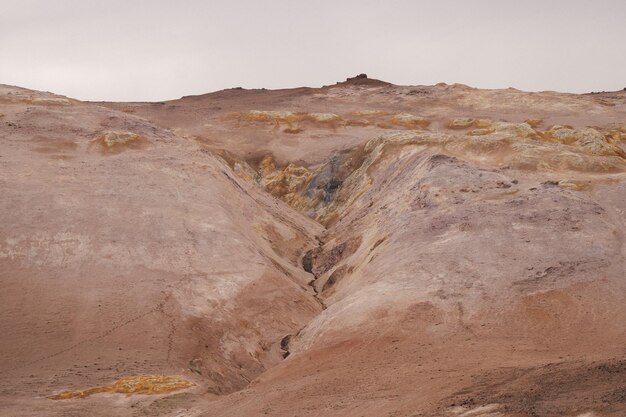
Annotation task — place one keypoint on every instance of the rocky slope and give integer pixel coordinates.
(358, 249)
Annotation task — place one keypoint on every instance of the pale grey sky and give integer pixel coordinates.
(129, 50)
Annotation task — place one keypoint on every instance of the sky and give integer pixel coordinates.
(151, 50)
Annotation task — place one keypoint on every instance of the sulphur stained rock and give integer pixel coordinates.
(276, 116)
(116, 141)
(519, 130)
(244, 171)
(112, 139)
(143, 384)
(588, 140)
(293, 130)
(281, 182)
(369, 113)
(51, 101)
(461, 123)
(324, 117)
(514, 130)
(267, 166)
(295, 121)
(302, 188)
(480, 132)
(410, 121)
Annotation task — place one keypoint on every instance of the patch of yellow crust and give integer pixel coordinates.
(111, 139)
(295, 121)
(142, 384)
(468, 122)
(116, 141)
(370, 113)
(51, 101)
(534, 123)
(410, 121)
(288, 117)
(293, 130)
(461, 123)
(575, 185)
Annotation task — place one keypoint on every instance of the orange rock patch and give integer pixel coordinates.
(142, 384)
(115, 142)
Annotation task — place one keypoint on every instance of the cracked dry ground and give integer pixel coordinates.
(362, 249)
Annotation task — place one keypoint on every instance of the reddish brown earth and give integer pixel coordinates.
(362, 249)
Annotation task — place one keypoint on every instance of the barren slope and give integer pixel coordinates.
(126, 255)
(467, 257)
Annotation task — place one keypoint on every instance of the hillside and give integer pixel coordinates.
(360, 249)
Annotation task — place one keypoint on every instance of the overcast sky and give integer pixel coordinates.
(131, 50)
